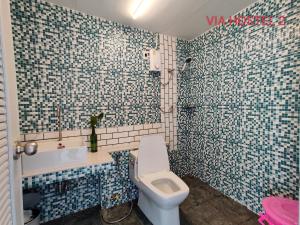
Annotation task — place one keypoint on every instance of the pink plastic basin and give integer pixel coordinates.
(281, 211)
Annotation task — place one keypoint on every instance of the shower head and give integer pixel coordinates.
(188, 60)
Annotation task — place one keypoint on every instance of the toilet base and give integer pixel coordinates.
(156, 215)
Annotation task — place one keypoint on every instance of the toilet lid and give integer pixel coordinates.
(153, 155)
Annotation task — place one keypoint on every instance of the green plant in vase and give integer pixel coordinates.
(93, 138)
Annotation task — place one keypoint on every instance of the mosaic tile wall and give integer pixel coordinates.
(82, 63)
(180, 160)
(241, 123)
(54, 177)
(82, 193)
(88, 66)
(117, 182)
(87, 187)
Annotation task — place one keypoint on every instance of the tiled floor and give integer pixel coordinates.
(204, 206)
(207, 206)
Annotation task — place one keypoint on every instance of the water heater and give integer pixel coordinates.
(154, 60)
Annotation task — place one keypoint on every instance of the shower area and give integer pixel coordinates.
(234, 119)
(185, 108)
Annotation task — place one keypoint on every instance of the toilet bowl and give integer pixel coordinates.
(160, 190)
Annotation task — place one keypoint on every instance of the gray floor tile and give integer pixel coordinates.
(135, 218)
(203, 206)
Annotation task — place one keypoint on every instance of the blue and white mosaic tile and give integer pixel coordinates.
(82, 63)
(240, 132)
(82, 193)
(116, 181)
(87, 187)
(50, 178)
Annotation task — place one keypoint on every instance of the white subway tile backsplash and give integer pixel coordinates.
(119, 135)
(50, 135)
(169, 94)
(71, 133)
(135, 144)
(106, 147)
(171, 128)
(138, 127)
(148, 126)
(111, 129)
(156, 125)
(144, 132)
(137, 138)
(100, 131)
(86, 131)
(106, 136)
(125, 128)
(112, 141)
(22, 138)
(34, 136)
(173, 46)
(167, 130)
(102, 142)
(163, 134)
(152, 131)
(167, 121)
(126, 140)
(175, 139)
(85, 138)
(167, 138)
(133, 133)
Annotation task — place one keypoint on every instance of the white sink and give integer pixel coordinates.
(54, 155)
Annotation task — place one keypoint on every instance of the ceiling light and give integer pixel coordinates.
(140, 8)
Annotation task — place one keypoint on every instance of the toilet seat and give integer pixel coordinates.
(164, 197)
(160, 190)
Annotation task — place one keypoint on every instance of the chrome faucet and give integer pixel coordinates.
(59, 123)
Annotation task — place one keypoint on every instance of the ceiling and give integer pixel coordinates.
(181, 18)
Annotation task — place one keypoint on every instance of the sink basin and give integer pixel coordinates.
(54, 155)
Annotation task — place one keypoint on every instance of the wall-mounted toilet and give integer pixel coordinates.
(160, 190)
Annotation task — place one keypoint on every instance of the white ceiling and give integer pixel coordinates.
(181, 18)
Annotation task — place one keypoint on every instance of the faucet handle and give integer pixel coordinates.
(30, 148)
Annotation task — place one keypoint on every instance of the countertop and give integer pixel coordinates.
(102, 156)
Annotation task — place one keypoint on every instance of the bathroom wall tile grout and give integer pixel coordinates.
(107, 137)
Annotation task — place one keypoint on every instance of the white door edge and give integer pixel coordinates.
(12, 110)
